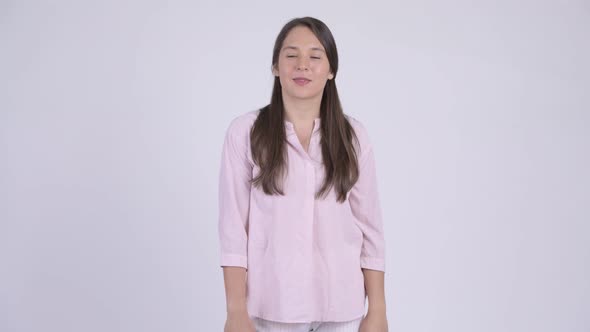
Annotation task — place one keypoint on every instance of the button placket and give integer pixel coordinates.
(292, 137)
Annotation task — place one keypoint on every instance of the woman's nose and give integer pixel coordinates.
(302, 65)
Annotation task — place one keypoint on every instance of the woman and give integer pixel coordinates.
(300, 227)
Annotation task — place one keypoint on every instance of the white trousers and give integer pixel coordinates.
(263, 325)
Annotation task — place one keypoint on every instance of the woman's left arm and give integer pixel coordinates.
(376, 319)
(365, 206)
(374, 285)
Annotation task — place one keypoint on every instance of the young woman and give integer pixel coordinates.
(300, 227)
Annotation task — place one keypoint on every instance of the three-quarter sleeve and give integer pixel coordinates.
(234, 197)
(365, 206)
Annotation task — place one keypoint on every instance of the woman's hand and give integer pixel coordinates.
(239, 322)
(374, 322)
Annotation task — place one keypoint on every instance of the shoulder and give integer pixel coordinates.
(360, 130)
(240, 125)
(238, 129)
(237, 135)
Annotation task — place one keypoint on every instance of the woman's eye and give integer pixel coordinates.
(294, 56)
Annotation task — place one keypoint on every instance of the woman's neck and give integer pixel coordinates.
(302, 111)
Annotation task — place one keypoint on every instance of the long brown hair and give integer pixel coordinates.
(268, 135)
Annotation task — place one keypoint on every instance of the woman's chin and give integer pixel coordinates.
(303, 96)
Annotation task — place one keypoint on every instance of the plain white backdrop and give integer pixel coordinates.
(112, 116)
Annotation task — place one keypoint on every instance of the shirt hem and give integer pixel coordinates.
(313, 319)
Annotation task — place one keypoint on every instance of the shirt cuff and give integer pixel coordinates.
(373, 263)
(234, 260)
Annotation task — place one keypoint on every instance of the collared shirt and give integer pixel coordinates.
(303, 255)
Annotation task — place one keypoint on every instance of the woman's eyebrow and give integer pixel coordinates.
(297, 48)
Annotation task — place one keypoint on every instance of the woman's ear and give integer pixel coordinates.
(330, 76)
(274, 70)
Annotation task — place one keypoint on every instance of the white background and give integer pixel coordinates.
(112, 115)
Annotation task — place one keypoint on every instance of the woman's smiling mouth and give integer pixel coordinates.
(301, 81)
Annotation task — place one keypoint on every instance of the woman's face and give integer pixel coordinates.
(303, 66)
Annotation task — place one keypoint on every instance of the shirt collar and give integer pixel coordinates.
(291, 129)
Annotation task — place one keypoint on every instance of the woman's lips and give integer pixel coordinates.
(301, 81)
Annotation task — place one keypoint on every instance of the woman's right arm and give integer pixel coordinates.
(234, 201)
(235, 288)
(238, 319)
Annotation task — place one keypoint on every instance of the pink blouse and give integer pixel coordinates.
(303, 256)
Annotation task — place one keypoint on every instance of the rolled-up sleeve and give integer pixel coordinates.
(365, 206)
(234, 198)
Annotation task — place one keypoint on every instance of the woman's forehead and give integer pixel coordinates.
(302, 38)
